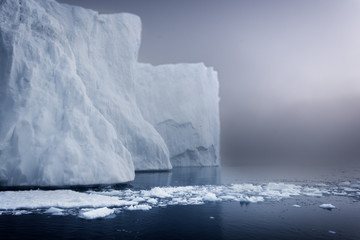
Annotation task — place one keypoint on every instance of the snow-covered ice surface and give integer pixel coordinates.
(69, 92)
(96, 204)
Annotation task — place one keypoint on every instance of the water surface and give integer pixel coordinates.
(273, 218)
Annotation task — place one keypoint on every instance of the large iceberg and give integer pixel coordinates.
(73, 105)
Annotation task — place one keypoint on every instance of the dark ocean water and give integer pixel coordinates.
(213, 220)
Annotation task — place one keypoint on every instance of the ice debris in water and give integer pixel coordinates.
(54, 211)
(96, 213)
(96, 204)
(210, 197)
(139, 207)
(327, 206)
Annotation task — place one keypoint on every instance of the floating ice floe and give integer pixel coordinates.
(139, 207)
(11, 200)
(54, 211)
(96, 213)
(21, 212)
(327, 206)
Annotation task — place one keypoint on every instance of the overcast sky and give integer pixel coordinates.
(289, 70)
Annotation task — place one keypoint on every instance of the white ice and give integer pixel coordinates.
(327, 206)
(75, 102)
(96, 204)
(57, 198)
(54, 211)
(186, 114)
(139, 207)
(96, 213)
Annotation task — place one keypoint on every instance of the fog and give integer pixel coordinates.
(288, 70)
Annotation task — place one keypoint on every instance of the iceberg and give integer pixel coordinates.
(183, 109)
(73, 105)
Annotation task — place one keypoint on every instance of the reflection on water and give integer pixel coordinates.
(280, 220)
(188, 176)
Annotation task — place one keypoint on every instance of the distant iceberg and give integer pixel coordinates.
(76, 107)
(181, 101)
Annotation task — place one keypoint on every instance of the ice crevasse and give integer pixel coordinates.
(76, 106)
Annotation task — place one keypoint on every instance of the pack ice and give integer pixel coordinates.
(77, 108)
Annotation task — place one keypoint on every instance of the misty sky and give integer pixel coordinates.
(289, 70)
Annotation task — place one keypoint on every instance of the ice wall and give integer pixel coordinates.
(181, 102)
(69, 93)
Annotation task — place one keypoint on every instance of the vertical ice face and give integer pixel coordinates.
(106, 48)
(67, 112)
(181, 102)
(77, 108)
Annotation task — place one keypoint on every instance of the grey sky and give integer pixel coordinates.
(289, 70)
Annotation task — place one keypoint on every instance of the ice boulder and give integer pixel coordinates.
(181, 102)
(71, 104)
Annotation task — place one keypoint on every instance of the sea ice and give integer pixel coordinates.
(54, 211)
(21, 212)
(11, 200)
(139, 207)
(95, 204)
(152, 201)
(346, 183)
(210, 197)
(97, 213)
(327, 206)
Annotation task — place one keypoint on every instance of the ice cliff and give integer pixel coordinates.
(180, 101)
(77, 108)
